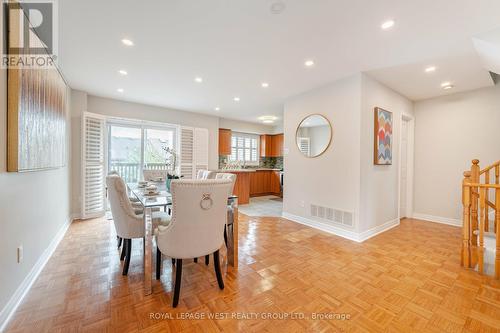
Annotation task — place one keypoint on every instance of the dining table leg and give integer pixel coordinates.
(232, 230)
(148, 251)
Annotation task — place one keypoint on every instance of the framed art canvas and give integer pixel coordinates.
(383, 137)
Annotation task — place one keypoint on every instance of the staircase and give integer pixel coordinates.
(481, 202)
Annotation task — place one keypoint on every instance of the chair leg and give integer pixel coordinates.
(217, 269)
(207, 259)
(128, 254)
(195, 259)
(119, 239)
(225, 235)
(124, 250)
(158, 263)
(178, 278)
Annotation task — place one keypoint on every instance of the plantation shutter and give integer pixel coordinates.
(305, 146)
(193, 151)
(187, 152)
(201, 149)
(92, 165)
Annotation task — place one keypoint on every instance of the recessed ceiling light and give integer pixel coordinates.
(430, 69)
(268, 121)
(236, 99)
(264, 84)
(217, 108)
(123, 72)
(387, 24)
(448, 87)
(198, 79)
(445, 84)
(127, 42)
(309, 63)
(120, 90)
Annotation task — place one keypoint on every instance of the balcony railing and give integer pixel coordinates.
(131, 172)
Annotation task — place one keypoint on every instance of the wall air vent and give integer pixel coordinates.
(333, 216)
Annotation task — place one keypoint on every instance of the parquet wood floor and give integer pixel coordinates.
(408, 279)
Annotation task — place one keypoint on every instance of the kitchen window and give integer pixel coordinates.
(245, 148)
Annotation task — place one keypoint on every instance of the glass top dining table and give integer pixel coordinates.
(164, 199)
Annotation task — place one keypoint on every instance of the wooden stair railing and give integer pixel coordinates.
(476, 188)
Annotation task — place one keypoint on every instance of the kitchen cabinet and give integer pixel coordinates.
(271, 145)
(224, 141)
(264, 182)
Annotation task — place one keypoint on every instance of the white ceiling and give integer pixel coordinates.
(234, 45)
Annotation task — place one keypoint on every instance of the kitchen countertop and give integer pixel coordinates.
(247, 170)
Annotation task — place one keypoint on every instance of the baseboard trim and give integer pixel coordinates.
(22, 290)
(378, 229)
(351, 235)
(438, 219)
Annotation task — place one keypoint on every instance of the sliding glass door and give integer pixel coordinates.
(135, 147)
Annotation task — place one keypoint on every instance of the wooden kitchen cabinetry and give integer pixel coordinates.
(271, 145)
(224, 141)
(265, 182)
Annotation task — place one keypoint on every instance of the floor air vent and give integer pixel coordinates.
(336, 216)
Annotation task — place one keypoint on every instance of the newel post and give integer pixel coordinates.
(474, 178)
(466, 202)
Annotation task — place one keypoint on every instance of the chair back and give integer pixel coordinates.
(231, 177)
(153, 175)
(205, 174)
(199, 215)
(127, 224)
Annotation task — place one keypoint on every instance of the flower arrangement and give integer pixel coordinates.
(171, 164)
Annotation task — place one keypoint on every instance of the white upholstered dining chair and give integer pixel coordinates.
(197, 225)
(128, 224)
(205, 174)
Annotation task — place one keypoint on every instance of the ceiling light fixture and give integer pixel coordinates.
(127, 42)
(217, 108)
(120, 90)
(445, 84)
(236, 99)
(278, 7)
(123, 72)
(268, 119)
(448, 87)
(198, 79)
(309, 63)
(264, 84)
(387, 24)
(430, 69)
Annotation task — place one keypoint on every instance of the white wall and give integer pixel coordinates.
(332, 179)
(450, 132)
(379, 183)
(34, 206)
(245, 127)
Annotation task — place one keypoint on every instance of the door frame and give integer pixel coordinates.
(409, 164)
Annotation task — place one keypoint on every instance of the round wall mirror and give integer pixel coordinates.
(313, 135)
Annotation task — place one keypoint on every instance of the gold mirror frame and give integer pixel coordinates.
(329, 139)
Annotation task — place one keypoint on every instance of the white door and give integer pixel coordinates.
(404, 170)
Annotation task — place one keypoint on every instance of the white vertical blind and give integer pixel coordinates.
(305, 146)
(92, 165)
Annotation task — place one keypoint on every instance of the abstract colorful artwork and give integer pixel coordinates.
(383, 137)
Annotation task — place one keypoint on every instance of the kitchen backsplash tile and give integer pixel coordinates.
(264, 162)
